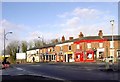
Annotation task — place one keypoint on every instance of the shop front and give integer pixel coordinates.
(79, 56)
(69, 57)
(60, 57)
(87, 56)
(90, 56)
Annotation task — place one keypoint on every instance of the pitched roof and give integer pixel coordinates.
(115, 37)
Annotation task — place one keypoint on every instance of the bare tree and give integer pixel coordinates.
(38, 43)
(24, 46)
(12, 49)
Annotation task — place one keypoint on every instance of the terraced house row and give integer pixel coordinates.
(81, 49)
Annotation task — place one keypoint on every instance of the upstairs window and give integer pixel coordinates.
(69, 47)
(111, 44)
(78, 46)
(101, 45)
(61, 48)
(88, 45)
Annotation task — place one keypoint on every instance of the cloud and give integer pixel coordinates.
(86, 20)
(64, 15)
(85, 12)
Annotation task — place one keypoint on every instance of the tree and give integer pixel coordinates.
(38, 43)
(24, 46)
(12, 49)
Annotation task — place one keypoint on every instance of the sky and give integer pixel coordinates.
(51, 20)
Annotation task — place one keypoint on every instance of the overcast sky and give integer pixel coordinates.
(50, 20)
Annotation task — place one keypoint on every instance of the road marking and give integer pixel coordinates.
(32, 73)
(19, 68)
(51, 77)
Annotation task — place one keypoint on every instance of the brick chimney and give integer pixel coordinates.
(70, 38)
(81, 35)
(100, 34)
(56, 40)
(63, 38)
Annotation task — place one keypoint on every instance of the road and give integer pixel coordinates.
(63, 71)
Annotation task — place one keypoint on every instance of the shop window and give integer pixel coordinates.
(89, 56)
(69, 47)
(78, 56)
(46, 57)
(52, 57)
(70, 56)
(100, 55)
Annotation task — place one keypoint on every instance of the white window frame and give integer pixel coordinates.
(112, 52)
(69, 46)
(111, 44)
(88, 45)
(78, 46)
(61, 48)
(101, 45)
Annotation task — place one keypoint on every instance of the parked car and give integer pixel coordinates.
(5, 64)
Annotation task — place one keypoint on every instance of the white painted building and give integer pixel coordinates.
(33, 53)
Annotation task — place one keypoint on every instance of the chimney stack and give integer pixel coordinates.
(56, 40)
(70, 38)
(100, 34)
(63, 38)
(81, 35)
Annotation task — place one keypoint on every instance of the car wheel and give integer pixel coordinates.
(115, 68)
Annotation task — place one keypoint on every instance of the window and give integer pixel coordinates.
(89, 56)
(111, 44)
(88, 45)
(53, 49)
(112, 53)
(69, 47)
(46, 57)
(40, 51)
(54, 57)
(101, 45)
(37, 52)
(61, 48)
(50, 50)
(78, 46)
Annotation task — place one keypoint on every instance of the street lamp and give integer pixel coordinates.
(5, 34)
(42, 40)
(112, 23)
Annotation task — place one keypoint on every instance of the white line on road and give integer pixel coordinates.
(32, 73)
(48, 77)
(19, 68)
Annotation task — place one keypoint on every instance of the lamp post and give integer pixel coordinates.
(42, 40)
(5, 39)
(112, 23)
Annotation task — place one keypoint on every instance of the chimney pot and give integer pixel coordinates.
(70, 38)
(100, 33)
(81, 35)
(63, 38)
